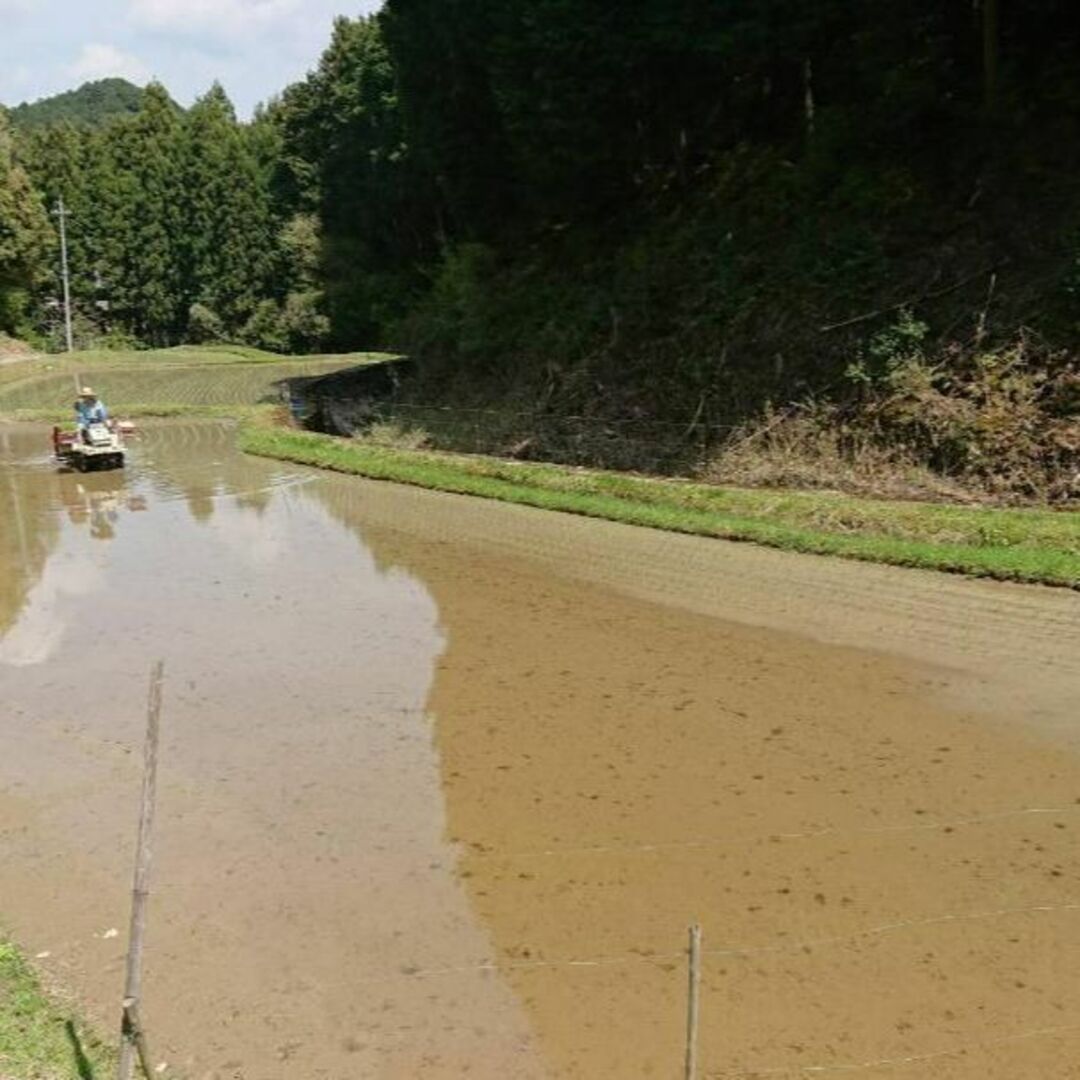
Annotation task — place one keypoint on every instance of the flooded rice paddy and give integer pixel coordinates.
(444, 782)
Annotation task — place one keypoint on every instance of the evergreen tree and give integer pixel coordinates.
(227, 227)
(25, 235)
(344, 153)
(441, 54)
(62, 160)
(99, 221)
(146, 219)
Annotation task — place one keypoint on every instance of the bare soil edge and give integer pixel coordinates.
(663, 504)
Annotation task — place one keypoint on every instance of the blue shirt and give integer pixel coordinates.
(88, 413)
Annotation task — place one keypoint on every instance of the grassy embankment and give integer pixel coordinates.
(40, 1040)
(204, 381)
(1012, 544)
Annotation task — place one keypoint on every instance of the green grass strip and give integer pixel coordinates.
(1018, 545)
(38, 1039)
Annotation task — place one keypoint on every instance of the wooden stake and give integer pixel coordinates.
(132, 1039)
(693, 1002)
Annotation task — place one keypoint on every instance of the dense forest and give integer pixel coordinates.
(677, 213)
(92, 104)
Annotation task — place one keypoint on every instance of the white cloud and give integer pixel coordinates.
(97, 61)
(214, 18)
(20, 76)
(11, 9)
(50, 609)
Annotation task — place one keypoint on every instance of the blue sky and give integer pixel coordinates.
(254, 48)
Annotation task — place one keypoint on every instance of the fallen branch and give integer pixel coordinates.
(911, 301)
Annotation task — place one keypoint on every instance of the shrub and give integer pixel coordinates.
(296, 326)
(264, 329)
(1003, 423)
(204, 325)
(816, 445)
(302, 322)
(1006, 419)
(398, 435)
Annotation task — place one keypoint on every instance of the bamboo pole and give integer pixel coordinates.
(134, 1030)
(132, 1038)
(693, 1003)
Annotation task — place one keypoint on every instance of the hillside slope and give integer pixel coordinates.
(629, 240)
(889, 316)
(91, 104)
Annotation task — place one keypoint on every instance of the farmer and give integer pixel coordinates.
(89, 409)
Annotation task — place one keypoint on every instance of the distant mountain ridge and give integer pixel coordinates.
(92, 104)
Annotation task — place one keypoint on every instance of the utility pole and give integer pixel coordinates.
(62, 214)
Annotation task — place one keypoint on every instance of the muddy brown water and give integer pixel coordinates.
(444, 782)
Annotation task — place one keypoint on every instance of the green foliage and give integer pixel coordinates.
(895, 347)
(296, 325)
(460, 318)
(204, 325)
(901, 343)
(225, 229)
(25, 236)
(169, 213)
(300, 244)
(303, 323)
(14, 309)
(264, 329)
(344, 153)
(92, 104)
(440, 54)
(142, 210)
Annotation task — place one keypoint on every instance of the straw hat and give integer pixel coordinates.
(87, 392)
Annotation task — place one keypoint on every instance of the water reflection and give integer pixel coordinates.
(96, 500)
(27, 534)
(189, 464)
(304, 860)
(69, 587)
(614, 770)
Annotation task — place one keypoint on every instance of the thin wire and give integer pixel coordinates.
(709, 842)
(389, 407)
(741, 950)
(893, 927)
(704, 842)
(495, 967)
